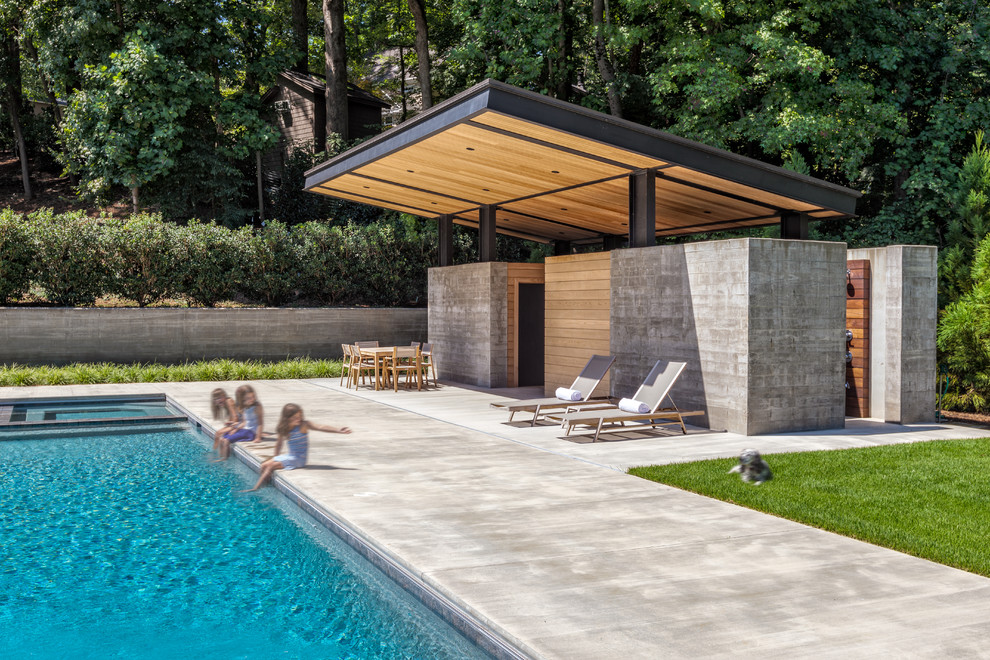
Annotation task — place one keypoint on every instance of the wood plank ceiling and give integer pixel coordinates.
(557, 171)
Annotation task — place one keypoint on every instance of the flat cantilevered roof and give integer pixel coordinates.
(558, 171)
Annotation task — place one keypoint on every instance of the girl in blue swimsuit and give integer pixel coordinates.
(249, 424)
(293, 430)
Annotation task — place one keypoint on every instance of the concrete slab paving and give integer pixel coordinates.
(550, 542)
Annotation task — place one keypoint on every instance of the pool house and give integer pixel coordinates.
(779, 334)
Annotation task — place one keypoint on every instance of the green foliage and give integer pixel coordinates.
(124, 126)
(212, 265)
(272, 264)
(145, 258)
(205, 370)
(971, 202)
(877, 494)
(323, 262)
(73, 257)
(18, 256)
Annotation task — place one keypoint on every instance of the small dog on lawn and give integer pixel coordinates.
(752, 468)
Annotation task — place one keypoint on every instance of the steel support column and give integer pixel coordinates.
(445, 253)
(642, 208)
(486, 232)
(794, 226)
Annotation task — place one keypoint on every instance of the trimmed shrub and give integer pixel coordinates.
(324, 263)
(272, 264)
(73, 256)
(18, 256)
(212, 264)
(146, 257)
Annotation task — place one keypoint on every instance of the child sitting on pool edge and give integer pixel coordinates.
(223, 408)
(250, 422)
(292, 429)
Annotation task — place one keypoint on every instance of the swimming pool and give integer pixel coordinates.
(129, 543)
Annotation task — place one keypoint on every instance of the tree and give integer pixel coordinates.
(10, 72)
(970, 225)
(336, 68)
(418, 9)
(125, 126)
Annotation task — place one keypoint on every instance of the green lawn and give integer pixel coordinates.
(929, 499)
(206, 370)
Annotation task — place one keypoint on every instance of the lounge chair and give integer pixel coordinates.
(585, 383)
(655, 388)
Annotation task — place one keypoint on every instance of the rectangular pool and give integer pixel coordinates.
(127, 542)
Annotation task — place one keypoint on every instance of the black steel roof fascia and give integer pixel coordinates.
(666, 147)
(452, 111)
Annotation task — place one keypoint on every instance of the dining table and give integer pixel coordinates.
(381, 355)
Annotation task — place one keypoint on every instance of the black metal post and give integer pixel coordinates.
(561, 248)
(486, 232)
(642, 208)
(445, 253)
(794, 226)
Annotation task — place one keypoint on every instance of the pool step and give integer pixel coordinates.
(5, 412)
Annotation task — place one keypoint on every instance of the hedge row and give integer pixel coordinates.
(75, 259)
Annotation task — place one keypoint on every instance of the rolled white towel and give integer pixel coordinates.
(633, 406)
(565, 394)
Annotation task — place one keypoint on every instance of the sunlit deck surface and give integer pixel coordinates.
(561, 553)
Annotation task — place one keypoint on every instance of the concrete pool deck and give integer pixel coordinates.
(550, 543)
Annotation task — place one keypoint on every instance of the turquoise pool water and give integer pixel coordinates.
(135, 546)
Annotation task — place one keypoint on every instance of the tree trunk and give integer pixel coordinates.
(605, 67)
(300, 36)
(134, 194)
(402, 84)
(336, 64)
(13, 100)
(418, 9)
(565, 46)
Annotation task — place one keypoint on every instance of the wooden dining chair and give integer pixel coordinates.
(366, 344)
(429, 364)
(362, 365)
(347, 365)
(410, 366)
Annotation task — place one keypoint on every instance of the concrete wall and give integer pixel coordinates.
(468, 318)
(903, 317)
(64, 335)
(760, 323)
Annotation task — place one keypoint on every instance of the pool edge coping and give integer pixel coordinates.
(461, 617)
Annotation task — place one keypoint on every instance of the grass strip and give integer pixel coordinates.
(928, 499)
(205, 370)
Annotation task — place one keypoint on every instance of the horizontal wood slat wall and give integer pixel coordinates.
(577, 316)
(518, 274)
(858, 321)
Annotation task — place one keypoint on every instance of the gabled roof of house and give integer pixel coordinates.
(315, 87)
(558, 171)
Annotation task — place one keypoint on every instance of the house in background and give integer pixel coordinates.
(296, 105)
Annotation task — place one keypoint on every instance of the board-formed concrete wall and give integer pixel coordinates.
(903, 317)
(468, 322)
(760, 323)
(64, 335)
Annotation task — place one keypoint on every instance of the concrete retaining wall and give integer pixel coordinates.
(760, 323)
(468, 323)
(903, 318)
(65, 335)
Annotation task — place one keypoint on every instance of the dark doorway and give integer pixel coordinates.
(530, 342)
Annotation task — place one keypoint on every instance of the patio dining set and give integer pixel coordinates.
(383, 366)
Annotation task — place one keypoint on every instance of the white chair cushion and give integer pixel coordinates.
(633, 406)
(565, 394)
